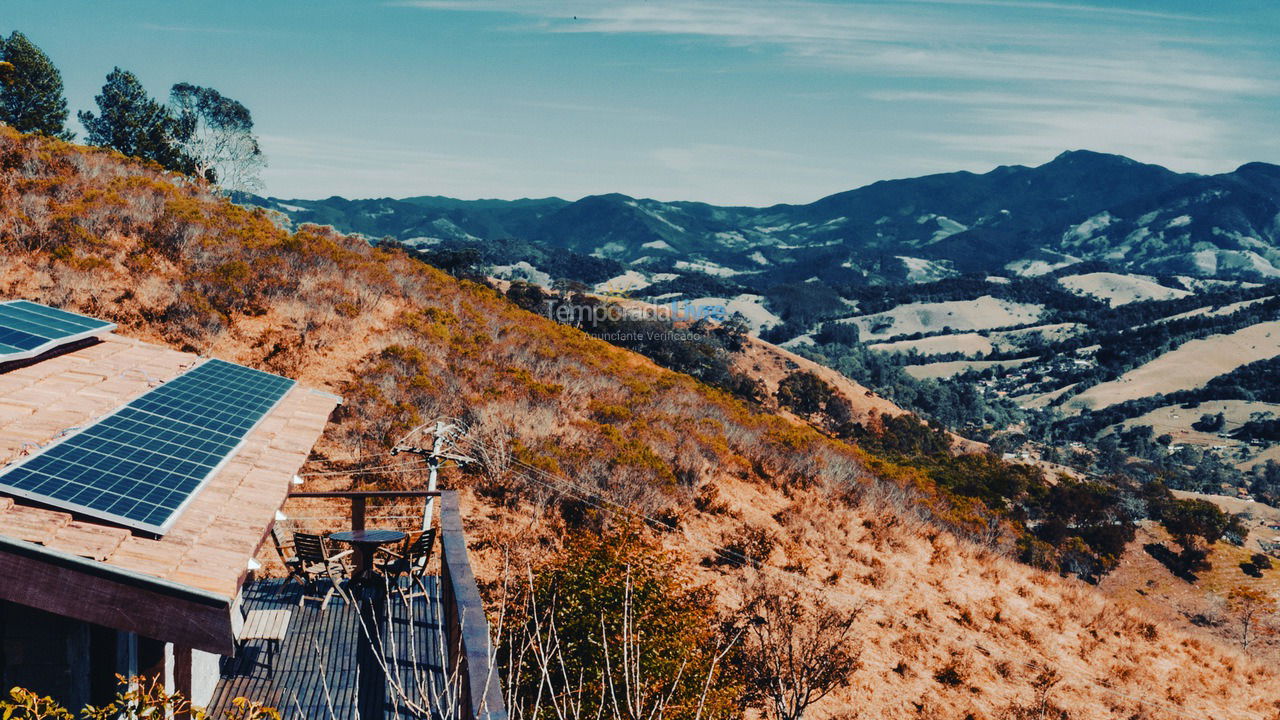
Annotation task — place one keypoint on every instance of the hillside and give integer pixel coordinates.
(1190, 365)
(952, 625)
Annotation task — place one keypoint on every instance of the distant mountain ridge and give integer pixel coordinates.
(1081, 206)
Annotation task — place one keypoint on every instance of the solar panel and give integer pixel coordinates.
(28, 329)
(140, 465)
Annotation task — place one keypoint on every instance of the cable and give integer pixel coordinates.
(294, 518)
(352, 459)
(382, 469)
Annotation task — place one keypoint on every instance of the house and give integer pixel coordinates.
(89, 590)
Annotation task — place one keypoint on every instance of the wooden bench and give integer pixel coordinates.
(268, 625)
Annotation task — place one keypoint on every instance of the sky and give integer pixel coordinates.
(727, 101)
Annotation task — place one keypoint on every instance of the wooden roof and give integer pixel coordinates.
(210, 544)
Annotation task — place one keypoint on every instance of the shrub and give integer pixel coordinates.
(950, 675)
(748, 545)
(607, 616)
(136, 698)
(796, 648)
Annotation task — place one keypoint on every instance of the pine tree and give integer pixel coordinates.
(31, 97)
(131, 122)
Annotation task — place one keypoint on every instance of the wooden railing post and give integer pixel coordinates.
(357, 512)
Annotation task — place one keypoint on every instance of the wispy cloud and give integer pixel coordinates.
(1010, 76)
(321, 166)
(592, 109)
(154, 27)
(1075, 8)
(937, 39)
(1189, 140)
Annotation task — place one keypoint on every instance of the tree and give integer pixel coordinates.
(1196, 525)
(1209, 422)
(804, 393)
(216, 133)
(31, 98)
(833, 333)
(131, 122)
(1192, 517)
(1042, 708)
(1250, 607)
(796, 650)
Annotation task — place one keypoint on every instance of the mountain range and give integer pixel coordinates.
(1082, 206)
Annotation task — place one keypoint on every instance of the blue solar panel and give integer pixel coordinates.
(28, 329)
(141, 464)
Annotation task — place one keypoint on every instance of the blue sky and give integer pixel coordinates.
(726, 101)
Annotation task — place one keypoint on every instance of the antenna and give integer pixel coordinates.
(443, 434)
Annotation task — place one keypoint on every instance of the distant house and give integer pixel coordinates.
(107, 564)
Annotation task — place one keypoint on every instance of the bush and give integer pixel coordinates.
(604, 597)
(136, 698)
(747, 546)
(950, 675)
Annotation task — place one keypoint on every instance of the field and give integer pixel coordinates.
(1143, 584)
(1119, 289)
(1176, 421)
(1043, 400)
(750, 307)
(967, 343)
(947, 369)
(983, 313)
(977, 344)
(1189, 366)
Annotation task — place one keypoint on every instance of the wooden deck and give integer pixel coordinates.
(316, 675)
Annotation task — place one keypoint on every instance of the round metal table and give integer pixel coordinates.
(365, 543)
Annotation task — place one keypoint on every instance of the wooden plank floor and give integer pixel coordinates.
(316, 674)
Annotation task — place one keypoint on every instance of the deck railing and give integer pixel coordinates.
(465, 625)
(466, 628)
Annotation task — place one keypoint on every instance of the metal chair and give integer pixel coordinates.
(412, 559)
(311, 561)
